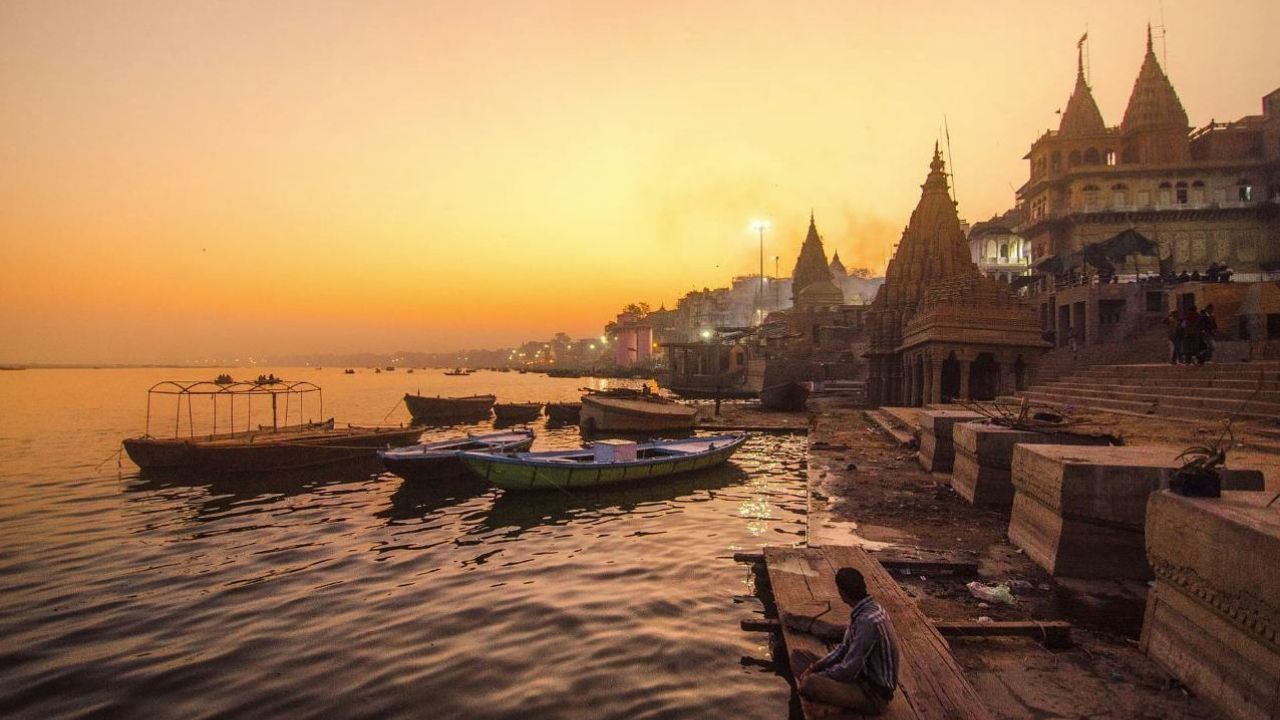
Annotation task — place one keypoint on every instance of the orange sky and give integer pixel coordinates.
(195, 179)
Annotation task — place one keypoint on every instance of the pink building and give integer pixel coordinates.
(633, 340)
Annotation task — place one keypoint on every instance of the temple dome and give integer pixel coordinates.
(1153, 103)
(838, 270)
(1082, 116)
(811, 265)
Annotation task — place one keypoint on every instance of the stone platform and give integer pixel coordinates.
(937, 452)
(1080, 511)
(1213, 616)
(984, 454)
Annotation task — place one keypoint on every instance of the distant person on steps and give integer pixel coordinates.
(861, 674)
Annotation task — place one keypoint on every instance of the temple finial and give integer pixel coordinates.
(1150, 46)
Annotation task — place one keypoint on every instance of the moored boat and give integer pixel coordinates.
(440, 458)
(608, 462)
(269, 448)
(634, 412)
(516, 412)
(564, 413)
(445, 410)
(457, 372)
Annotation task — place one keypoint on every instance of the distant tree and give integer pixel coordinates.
(562, 339)
(640, 309)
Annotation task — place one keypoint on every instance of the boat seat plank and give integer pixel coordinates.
(931, 684)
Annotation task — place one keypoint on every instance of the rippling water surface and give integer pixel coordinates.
(355, 594)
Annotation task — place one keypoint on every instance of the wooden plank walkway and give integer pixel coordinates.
(932, 686)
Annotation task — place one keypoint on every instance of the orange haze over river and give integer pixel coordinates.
(182, 181)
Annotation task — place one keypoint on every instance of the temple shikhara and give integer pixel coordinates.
(939, 329)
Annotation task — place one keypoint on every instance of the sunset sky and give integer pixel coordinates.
(182, 180)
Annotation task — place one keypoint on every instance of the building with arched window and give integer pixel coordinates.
(998, 251)
(1211, 195)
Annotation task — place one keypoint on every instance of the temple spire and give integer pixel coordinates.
(1150, 45)
(1081, 116)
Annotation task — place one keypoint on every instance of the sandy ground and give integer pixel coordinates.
(865, 489)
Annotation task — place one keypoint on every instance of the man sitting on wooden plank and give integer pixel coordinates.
(862, 672)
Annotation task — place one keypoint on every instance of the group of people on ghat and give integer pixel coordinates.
(1192, 335)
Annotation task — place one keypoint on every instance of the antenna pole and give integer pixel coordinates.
(955, 196)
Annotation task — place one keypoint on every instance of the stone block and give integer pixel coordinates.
(984, 455)
(937, 453)
(1080, 511)
(1213, 616)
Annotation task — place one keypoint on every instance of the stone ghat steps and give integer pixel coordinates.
(1170, 406)
(1238, 394)
(1268, 370)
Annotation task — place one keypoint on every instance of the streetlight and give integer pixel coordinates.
(760, 226)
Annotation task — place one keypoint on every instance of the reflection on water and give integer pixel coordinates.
(353, 594)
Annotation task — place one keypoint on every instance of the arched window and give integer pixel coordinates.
(1180, 194)
(1090, 197)
(1165, 196)
(1119, 195)
(1056, 161)
(1073, 159)
(1091, 157)
(1004, 251)
(1111, 156)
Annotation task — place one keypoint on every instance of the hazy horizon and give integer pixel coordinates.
(218, 180)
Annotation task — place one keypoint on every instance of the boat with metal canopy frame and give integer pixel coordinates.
(241, 447)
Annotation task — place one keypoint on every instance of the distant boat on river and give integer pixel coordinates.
(457, 372)
(608, 462)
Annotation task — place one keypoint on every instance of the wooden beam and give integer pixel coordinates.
(931, 567)
(748, 558)
(1054, 634)
(761, 625)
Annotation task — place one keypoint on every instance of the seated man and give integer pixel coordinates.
(862, 672)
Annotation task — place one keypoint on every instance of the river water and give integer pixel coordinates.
(356, 594)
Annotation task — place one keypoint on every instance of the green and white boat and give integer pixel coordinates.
(607, 462)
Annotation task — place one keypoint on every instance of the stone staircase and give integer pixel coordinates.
(1192, 392)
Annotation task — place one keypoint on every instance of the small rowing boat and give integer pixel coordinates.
(440, 458)
(607, 462)
(563, 413)
(634, 412)
(447, 410)
(516, 412)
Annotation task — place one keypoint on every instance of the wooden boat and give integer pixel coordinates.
(266, 450)
(516, 412)
(607, 463)
(446, 410)
(634, 412)
(440, 458)
(789, 396)
(564, 413)
(274, 447)
(456, 372)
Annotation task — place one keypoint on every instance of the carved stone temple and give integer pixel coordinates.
(940, 330)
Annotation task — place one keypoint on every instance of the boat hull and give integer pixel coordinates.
(265, 452)
(605, 415)
(437, 464)
(516, 413)
(564, 413)
(512, 473)
(445, 411)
